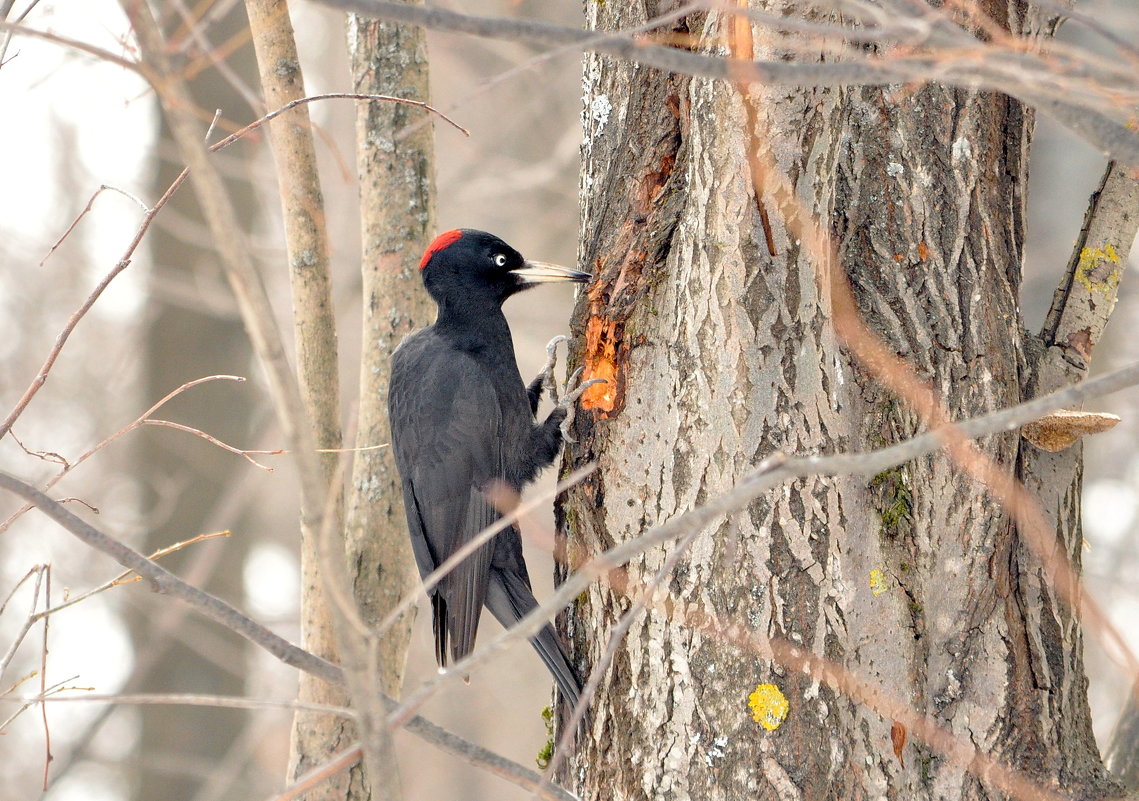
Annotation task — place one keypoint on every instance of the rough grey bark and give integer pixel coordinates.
(722, 354)
(396, 173)
(397, 215)
(1047, 649)
(397, 207)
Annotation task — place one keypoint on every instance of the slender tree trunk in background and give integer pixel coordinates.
(187, 339)
(315, 737)
(722, 354)
(397, 208)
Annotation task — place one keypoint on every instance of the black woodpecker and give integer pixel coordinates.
(462, 424)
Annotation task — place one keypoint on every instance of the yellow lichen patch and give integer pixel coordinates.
(769, 706)
(1058, 430)
(1098, 270)
(878, 583)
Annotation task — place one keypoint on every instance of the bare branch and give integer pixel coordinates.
(86, 210)
(38, 571)
(1086, 296)
(74, 44)
(58, 687)
(150, 421)
(67, 467)
(1016, 74)
(166, 583)
(321, 773)
(79, 313)
(334, 96)
(183, 699)
(43, 678)
(128, 576)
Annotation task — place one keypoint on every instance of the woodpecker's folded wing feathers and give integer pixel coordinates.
(446, 431)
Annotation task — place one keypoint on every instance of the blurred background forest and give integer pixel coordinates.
(73, 123)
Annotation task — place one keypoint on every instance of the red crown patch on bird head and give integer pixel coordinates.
(441, 242)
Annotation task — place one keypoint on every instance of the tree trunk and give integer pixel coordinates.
(396, 169)
(397, 212)
(720, 353)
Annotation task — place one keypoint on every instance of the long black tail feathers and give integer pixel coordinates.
(509, 599)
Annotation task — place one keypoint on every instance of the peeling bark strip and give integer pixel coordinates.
(722, 354)
(641, 199)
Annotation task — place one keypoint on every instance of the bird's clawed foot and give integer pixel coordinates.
(547, 375)
(574, 389)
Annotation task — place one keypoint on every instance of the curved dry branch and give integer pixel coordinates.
(74, 44)
(166, 583)
(1015, 73)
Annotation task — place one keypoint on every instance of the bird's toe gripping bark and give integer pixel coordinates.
(574, 390)
(549, 383)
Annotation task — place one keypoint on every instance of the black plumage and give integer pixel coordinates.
(462, 420)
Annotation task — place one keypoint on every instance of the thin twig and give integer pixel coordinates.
(321, 773)
(87, 210)
(128, 576)
(184, 699)
(43, 679)
(12, 592)
(211, 126)
(332, 96)
(58, 687)
(150, 421)
(137, 422)
(75, 44)
(38, 571)
(165, 582)
(47, 456)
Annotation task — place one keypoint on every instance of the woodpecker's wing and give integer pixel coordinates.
(446, 434)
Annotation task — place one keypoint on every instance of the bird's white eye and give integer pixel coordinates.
(500, 260)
